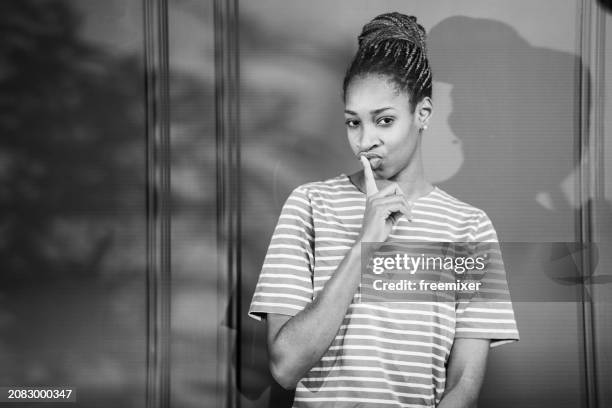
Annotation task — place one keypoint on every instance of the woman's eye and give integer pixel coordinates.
(385, 121)
(352, 123)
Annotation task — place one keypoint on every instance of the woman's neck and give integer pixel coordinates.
(412, 180)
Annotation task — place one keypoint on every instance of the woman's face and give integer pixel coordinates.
(379, 124)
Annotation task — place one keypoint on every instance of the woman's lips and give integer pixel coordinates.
(375, 162)
(374, 159)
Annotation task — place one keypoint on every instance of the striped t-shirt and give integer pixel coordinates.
(385, 354)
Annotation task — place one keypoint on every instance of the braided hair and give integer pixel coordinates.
(393, 45)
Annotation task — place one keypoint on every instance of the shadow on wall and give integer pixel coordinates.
(71, 191)
(606, 4)
(515, 111)
(71, 127)
(72, 224)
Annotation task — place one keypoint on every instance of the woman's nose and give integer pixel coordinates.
(369, 139)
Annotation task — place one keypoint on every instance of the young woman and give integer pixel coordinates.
(323, 341)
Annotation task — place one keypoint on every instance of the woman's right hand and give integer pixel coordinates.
(383, 208)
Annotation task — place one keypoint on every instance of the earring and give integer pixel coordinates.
(424, 127)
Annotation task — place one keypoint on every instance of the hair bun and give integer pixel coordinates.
(393, 26)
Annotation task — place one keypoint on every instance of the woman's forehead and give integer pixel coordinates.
(370, 92)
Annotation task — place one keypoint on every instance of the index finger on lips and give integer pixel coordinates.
(370, 184)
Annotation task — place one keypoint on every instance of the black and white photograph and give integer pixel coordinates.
(306, 204)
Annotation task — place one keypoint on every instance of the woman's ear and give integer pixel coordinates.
(423, 112)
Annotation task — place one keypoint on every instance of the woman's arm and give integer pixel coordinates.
(296, 343)
(465, 372)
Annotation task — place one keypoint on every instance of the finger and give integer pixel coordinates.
(408, 214)
(390, 189)
(393, 195)
(370, 184)
(395, 217)
(408, 205)
(397, 207)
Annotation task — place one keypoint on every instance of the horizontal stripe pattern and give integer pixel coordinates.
(385, 354)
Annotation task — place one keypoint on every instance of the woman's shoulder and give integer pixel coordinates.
(338, 187)
(461, 214)
(443, 200)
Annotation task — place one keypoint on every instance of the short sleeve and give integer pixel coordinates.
(489, 315)
(285, 284)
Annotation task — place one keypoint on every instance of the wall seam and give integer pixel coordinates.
(227, 129)
(158, 249)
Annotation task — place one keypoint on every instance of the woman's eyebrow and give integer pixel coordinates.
(373, 112)
(377, 111)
